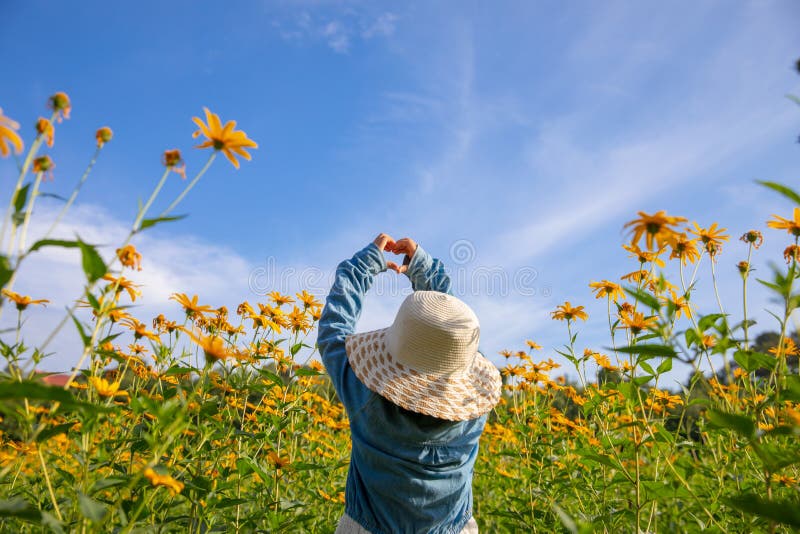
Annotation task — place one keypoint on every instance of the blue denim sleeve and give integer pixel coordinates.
(339, 317)
(428, 273)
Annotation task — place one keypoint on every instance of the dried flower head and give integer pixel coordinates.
(753, 237)
(46, 129)
(61, 105)
(130, 257)
(792, 253)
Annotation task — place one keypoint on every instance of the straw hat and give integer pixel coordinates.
(427, 361)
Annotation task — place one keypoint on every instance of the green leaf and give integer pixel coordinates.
(776, 458)
(86, 338)
(785, 512)
(90, 508)
(105, 483)
(750, 360)
(21, 509)
(792, 391)
(739, 423)
(645, 298)
(692, 337)
(53, 243)
(272, 377)
(93, 264)
(707, 321)
(648, 350)
(22, 196)
(6, 272)
(599, 458)
(38, 391)
(306, 371)
(665, 366)
(147, 223)
(782, 189)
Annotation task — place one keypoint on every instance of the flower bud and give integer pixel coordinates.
(103, 136)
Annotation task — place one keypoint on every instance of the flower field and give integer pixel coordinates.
(212, 419)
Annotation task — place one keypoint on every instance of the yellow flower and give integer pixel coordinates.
(644, 256)
(603, 361)
(712, 237)
(308, 300)
(190, 306)
(605, 288)
(8, 134)
(214, 347)
(790, 225)
(568, 312)
(280, 299)
(680, 304)
(103, 136)
(122, 284)
(45, 128)
(23, 301)
(106, 389)
(278, 461)
(789, 348)
(533, 344)
(636, 276)
(636, 321)
(656, 228)
(174, 486)
(298, 320)
(139, 329)
(684, 249)
(223, 138)
(129, 257)
(60, 103)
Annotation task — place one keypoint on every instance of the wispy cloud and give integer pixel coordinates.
(339, 29)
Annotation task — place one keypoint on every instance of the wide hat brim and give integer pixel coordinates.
(454, 397)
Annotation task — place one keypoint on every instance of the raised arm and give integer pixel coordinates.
(342, 309)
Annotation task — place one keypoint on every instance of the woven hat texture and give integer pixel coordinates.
(427, 361)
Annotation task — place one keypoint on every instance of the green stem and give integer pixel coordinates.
(74, 192)
(190, 186)
(745, 275)
(149, 203)
(24, 233)
(22, 173)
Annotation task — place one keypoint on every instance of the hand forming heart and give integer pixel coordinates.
(405, 246)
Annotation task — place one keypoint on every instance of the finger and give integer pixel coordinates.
(382, 240)
(405, 246)
(393, 266)
(400, 246)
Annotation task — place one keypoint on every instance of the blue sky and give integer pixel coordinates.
(524, 133)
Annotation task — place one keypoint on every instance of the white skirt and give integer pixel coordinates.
(347, 525)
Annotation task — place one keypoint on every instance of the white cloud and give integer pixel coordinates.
(383, 26)
(336, 36)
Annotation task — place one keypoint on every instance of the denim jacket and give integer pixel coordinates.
(408, 472)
